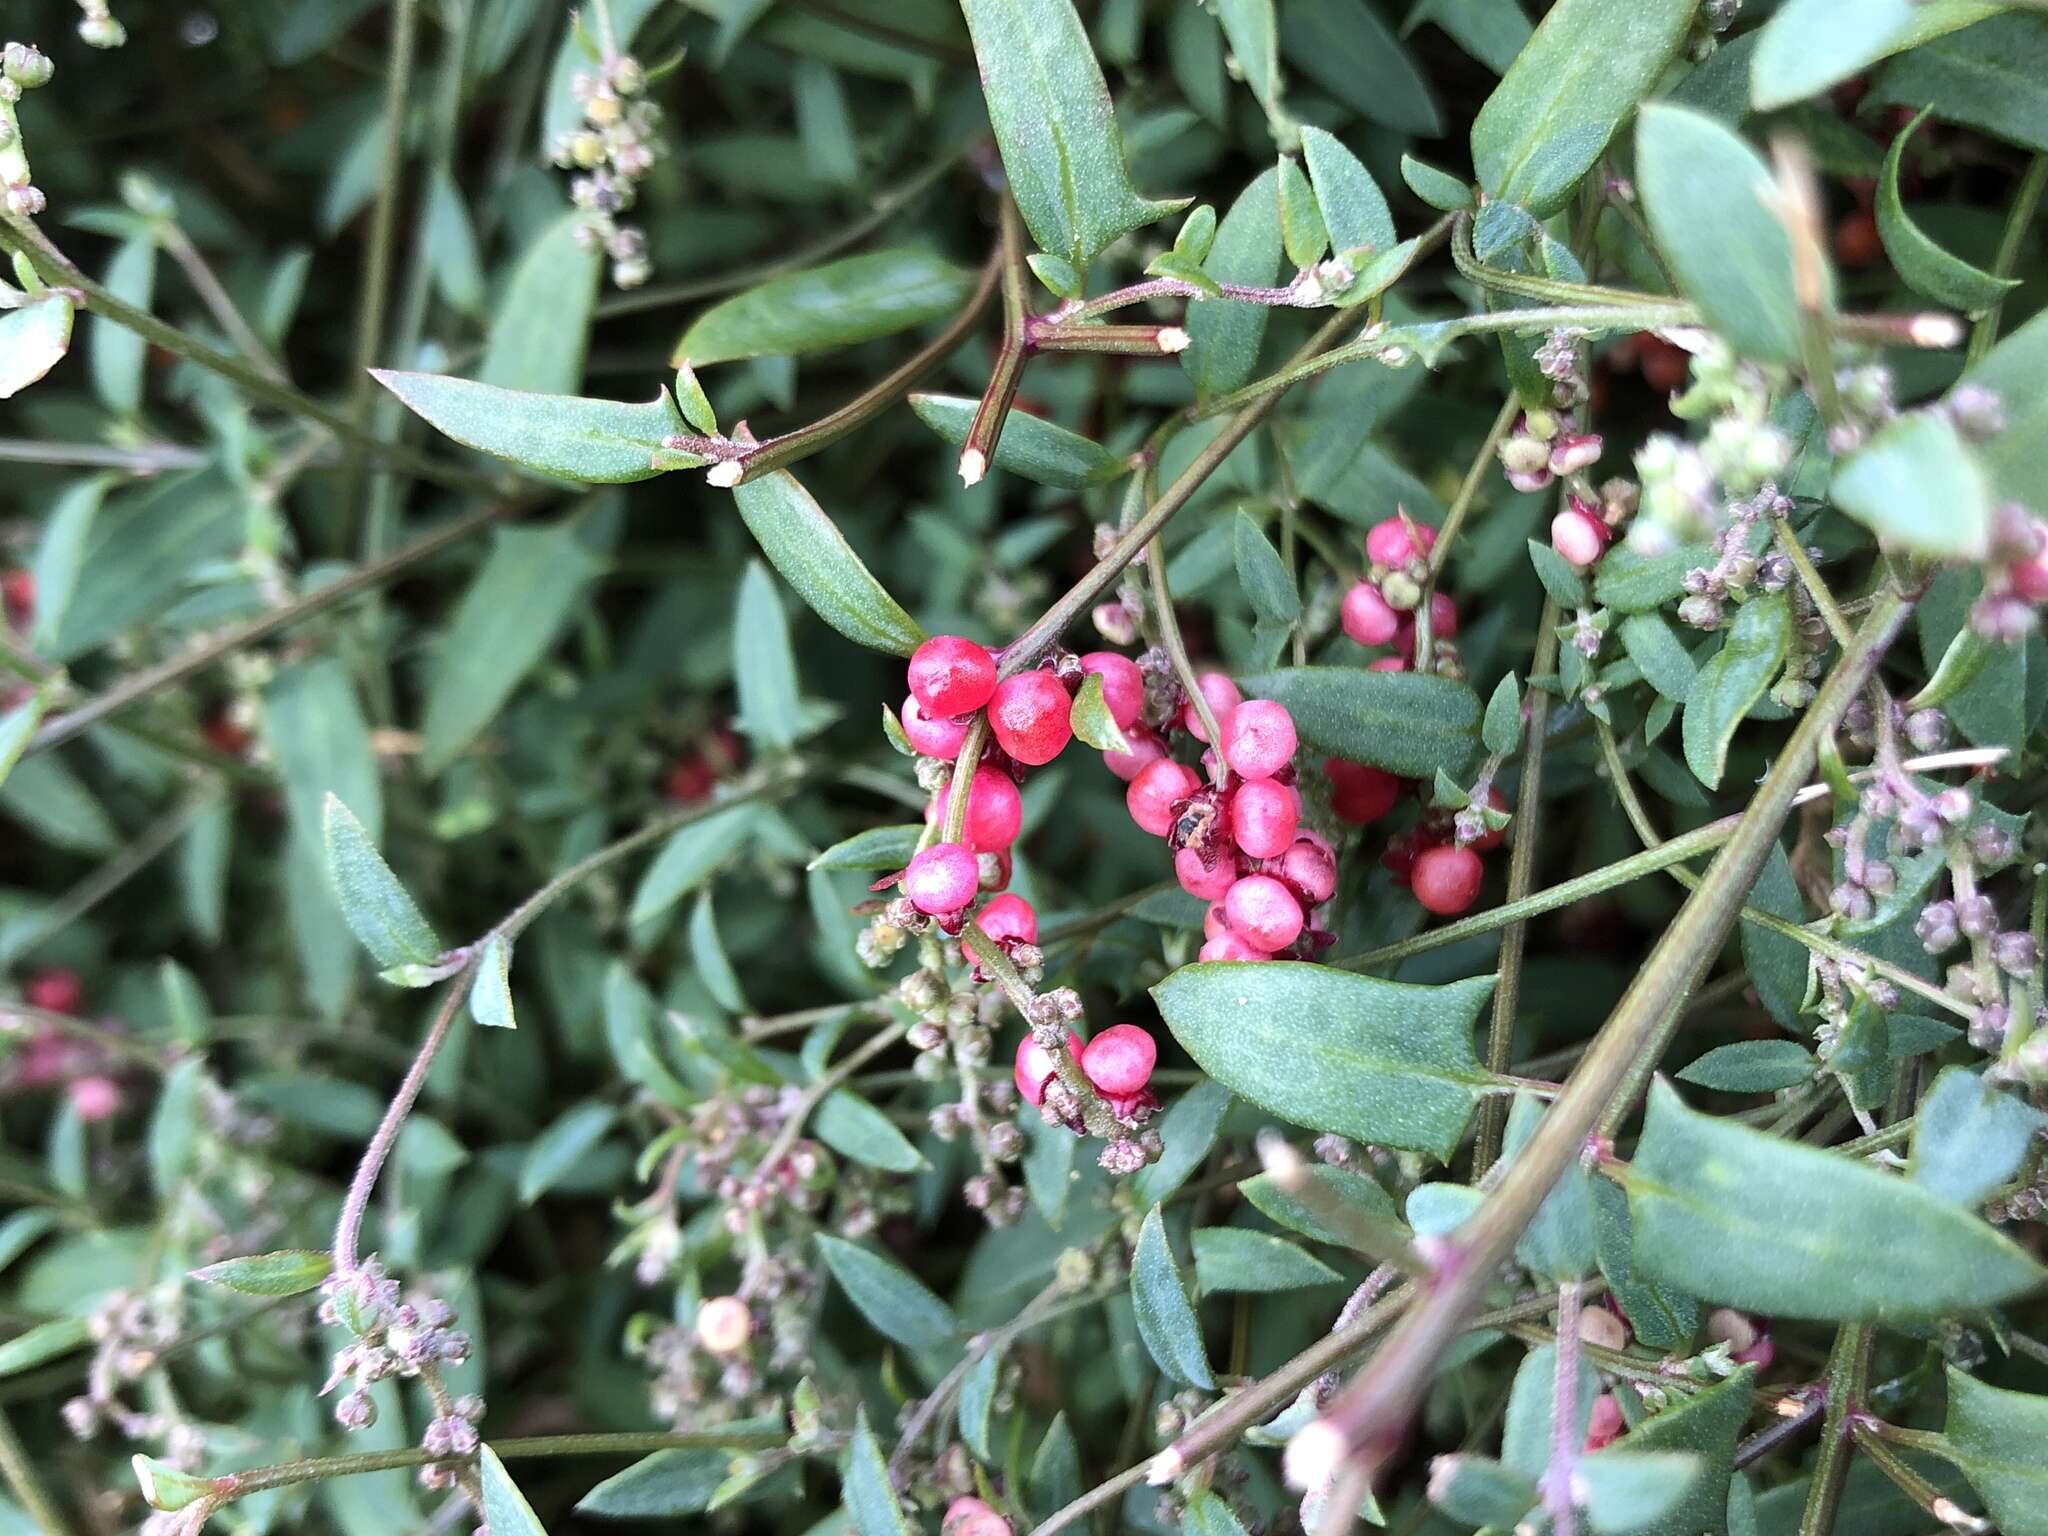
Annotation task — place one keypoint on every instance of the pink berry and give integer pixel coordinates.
(1388, 664)
(942, 879)
(1571, 452)
(1207, 881)
(1123, 685)
(1309, 871)
(1035, 1066)
(1360, 794)
(1263, 817)
(1258, 738)
(1263, 913)
(1607, 1425)
(1395, 541)
(1145, 748)
(1446, 880)
(95, 1097)
(1579, 536)
(1443, 616)
(951, 676)
(1009, 916)
(1367, 618)
(1223, 697)
(933, 738)
(1214, 923)
(1119, 1061)
(56, 991)
(969, 1516)
(2030, 576)
(1032, 717)
(1156, 790)
(995, 810)
(1229, 947)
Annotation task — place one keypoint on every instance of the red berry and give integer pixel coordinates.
(1156, 790)
(933, 738)
(1263, 913)
(1310, 871)
(942, 879)
(2030, 576)
(1263, 817)
(1857, 243)
(1009, 916)
(1579, 535)
(1035, 1066)
(1119, 1061)
(1443, 616)
(1358, 793)
(1395, 541)
(1223, 697)
(1493, 838)
(1229, 947)
(1145, 748)
(1607, 1425)
(1663, 364)
(1367, 617)
(1446, 880)
(1031, 715)
(1258, 738)
(57, 991)
(1123, 685)
(995, 810)
(1207, 881)
(226, 735)
(951, 676)
(18, 597)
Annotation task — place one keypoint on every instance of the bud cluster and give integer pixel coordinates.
(23, 67)
(394, 1337)
(613, 150)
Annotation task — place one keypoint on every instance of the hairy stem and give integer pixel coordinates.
(1848, 1363)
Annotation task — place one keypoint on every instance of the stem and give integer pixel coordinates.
(94, 888)
(1096, 1115)
(2026, 203)
(1913, 1485)
(1177, 652)
(1816, 587)
(150, 459)
(201, 276)
(1371, 1415)
(1848, 1362)
(986, 430)
(1564, 1420)
(1134, 340)
(26, 1484)
(818, 1092)
(139, 685)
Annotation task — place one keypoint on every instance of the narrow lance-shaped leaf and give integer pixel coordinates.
(1353, 207)
(1037, 449)
(490, 995)
(596, 442)
(288, 1272)
(1409, 723)
(1919, 487)
(566, 1142)
(379, 910)
(1166, 1319)
(19, 724)
(505, 1508)
(1729, 685)
(771, 705)
(1810, 46)
(33, 340)
(898, 1304)
(1239, 1259)
(1224, 334)
(1091, 718)
(1943, 277)
(869, 1496)
(807, 548)
(857, 298)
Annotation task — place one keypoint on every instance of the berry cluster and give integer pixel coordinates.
(1380, 609)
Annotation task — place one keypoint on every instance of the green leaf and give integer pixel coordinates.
(1568, 91)
(515, 607)
(852, 1127)
(807, 548)
(1777, 965)
(1166, 1319)
(694, 403)
(1944, 278)
(1409, 723)
(1636, 583)
(490, 995)
(1030, 446)
(379, 911)
(33, 340)
(1263, 575)
(117, 354)
(1624, 1490)
(1663, 1317)
(1255, 43)
(1055, 127)
(864, 1482)
(573, 1136)
(60, 554)
(1970, 1137)
(288, 1272)
(1189, 1129)
(1754, 1221)
(1492, 31)
(19, 724)
(1440, 189)
(1224, 334)
(596, 442)
(1333, 1205)
(450, 246)
(1302, 234)
(1992, 76)
(1752, 1066)
(691, 856)
(1208, 1515)
(885, 848)
(854, 299)
(1353, 208)
(1810, 46)
(1058, 275)
(1655, 648)
(1996, 1437)
(43, 1343)
(1501, 729)
(1239, 1259)
(540, 325)
(1706, 1427)
(895, 1302)
(2017, 458)
(1707, 195)
(1345, 48)
(1919, 487)
(709, 959)
(977, 1401)
(1091, 719)
(1730, 684)
(1477, 1490)
(771, 703)
(1380, 1061)
(505, 1509)
(678, 1481)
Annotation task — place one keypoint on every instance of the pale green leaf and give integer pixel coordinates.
(1730, 684)
(595, 442)
(854, 299)
(1030, 446)
(1166, 1319)
(896, 1303)
(1920, 488)
(287, 1272)
(378, 910)
(1409, 723)
(808, 550)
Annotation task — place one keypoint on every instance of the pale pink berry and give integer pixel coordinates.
(1119, 1061)
(1309, 871)
(1032, 716)
(1258, 738)
(1223, 697)
(1263, 913)
(933, 738)
(724, 1324)
(1009, 916)
(1607, 1425)
(2030, 577)
(1145, 748)
(1156, 790)
(951, 676)
(1367, 617)
(95, 1097)
(1229, 947)
(969, 1516)
(1123, 685)
(1579, 536)
(1395, 542)
(55, 991)
(1263, 817)
(942, 879)
(995, 810)
(1207, 881)
(1571, 454)
(1035, 1066)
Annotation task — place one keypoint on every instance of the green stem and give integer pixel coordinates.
(27, 1484)
(1096, 1115)
(124, 866)
(819, 1091)
(1914, 1486)
(2026, 203)
(1848, 1364)
(149, 459)
(1176, 648)
(215, 297)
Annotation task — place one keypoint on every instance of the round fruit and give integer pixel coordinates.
(952, 676)
(942, 879)
(1031, 715)
(1446, 880)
